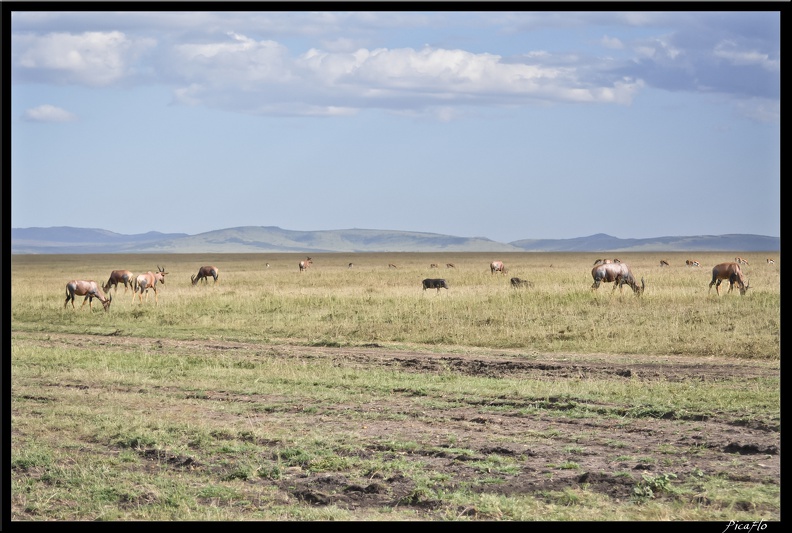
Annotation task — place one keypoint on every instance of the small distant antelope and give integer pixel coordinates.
(391, 265)
(305, 264)
(497, 266)
(267, 265)
(203, 274)
(90, 289)
(450, 265)
(120, 276)
(692, 263)
(147, 281)
(663, 263)
(350, 265)
(433, 265)
(770, 261)
(740, 261)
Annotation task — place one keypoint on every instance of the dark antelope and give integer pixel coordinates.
(147, 281)
(120, 276)
(497, 266)
(305, 264)
(731, 272)
(204, 273)
(618, 273)
(90, 289)
(517, 282)
(434, 284)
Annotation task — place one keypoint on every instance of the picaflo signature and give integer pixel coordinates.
(745, 527)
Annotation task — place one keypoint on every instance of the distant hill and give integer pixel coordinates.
(272, 239)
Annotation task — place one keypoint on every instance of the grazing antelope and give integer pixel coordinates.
(691, 263)
(433, 265)
(740, 261)
(147, 281)
(120, 276)
(391, 265)
(517, 282)
(305, 264)
(770, 261)
(618, 273)
(663, 263)
(731, 272)
(90, 289)
(497, 266)
(450, 265)
(203, 274)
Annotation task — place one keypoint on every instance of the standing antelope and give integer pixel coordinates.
(741, 261)
(90, 289)
(120, 276)
(147, 281)
(305, 264)
(731, 272)
(770, 261)
(663, 263)
(618, 273)
(350, 265)
(203, 274)
(497, 266)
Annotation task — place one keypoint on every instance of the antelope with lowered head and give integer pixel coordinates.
(120, 276)
(731, 272)
(663, 263)
(204, 273)
(741, 261)
(497, 266)
(88, 288)
(692, 263)
(618, 273)
(147, 281)
(305, 264)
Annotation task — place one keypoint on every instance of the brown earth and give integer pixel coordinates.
(698, 445)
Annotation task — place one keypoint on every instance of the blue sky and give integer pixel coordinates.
(505, 125)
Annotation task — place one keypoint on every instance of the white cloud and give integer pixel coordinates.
(611, 42)
(48, 113)
(729, 51)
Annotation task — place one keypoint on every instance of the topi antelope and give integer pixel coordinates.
(618, 273)
(120, 276)
(731, 272)
(147, 281)
(90, 289)
(497, 266)
(203, 274)
(305, 264)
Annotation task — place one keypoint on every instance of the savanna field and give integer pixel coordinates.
(347, 392)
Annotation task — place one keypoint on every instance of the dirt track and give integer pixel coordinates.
(711, 445)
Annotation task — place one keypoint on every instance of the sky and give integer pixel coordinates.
(507, 125)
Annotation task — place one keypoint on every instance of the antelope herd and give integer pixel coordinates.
(604, 271)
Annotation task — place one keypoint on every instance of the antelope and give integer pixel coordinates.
(305, 264)
(770, 261)
(433, 265)
(203, 274)
(90, 289)
(120, 276)
(450, 265)
(663, 263)
(691, 263)
(391, 265)
(618, 273)
(350, 265)
(740, 261)
(731, 272)
(147, 281)
(497, 266)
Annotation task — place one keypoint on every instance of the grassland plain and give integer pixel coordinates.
(347, 392)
